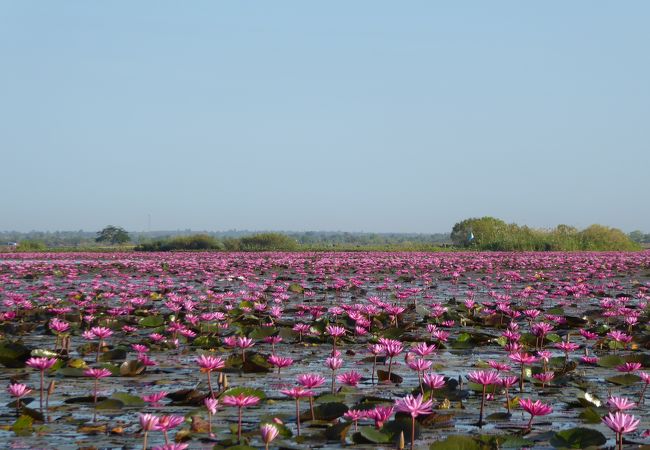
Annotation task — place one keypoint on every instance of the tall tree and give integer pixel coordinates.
(113, 235)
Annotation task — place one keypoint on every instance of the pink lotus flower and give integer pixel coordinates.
(280, 362)
(155, 398)
(211, 405)
(629, 367)
(621, 423)
(351, 378)
(415, 406)
(433, 381)
(296, 393)
(484, 378)
(311, 381)
(619, 404)
(536, 408)
(240, 401)
(18, 391)
(381, 414)
(355, 415)
(208, 364)
(334, 363)
(41, 364)
(544, 377)
(167, 423)
(268, 432)
(148, 422)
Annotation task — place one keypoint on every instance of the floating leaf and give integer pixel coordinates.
(382, 375)
(262, 332)
(23, 425)
(112, 355)
(578, 438)
(513, 441)
(591, 415)
(128, 399)
(610, 361)
(402, 425)
(372, 435)
(13, 354)
(624, 380)
(152, 321)
(337, 432)
(246, 391)
(70, 372)
(255, 363)
(326, 411)
(110, 403)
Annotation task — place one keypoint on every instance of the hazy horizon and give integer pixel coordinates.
(291, 115)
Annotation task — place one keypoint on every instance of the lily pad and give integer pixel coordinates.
(14, 354)
(152, 321)
(110, 403)
(337, 432)
(326, 411)
(112, 355)
(578, 438)
(624, 380)
(128, 399)
(246, 391)
(372, 435)
(382, 375)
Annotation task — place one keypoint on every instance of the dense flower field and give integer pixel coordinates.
(324, 350)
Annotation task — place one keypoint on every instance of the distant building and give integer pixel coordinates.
(8, 246)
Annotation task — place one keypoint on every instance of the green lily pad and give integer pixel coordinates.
(112, 355)
(590, 415)
(246, 391)
(110, 403)
(14, 354)
(610, 361)
(23, 425)
(326, 411)
(624, 380)
(370, 434)
(382, 375)
(128, 399)
(338, 432)
(578, 438)
(152, 321)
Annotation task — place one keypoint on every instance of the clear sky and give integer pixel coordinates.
(330, 115)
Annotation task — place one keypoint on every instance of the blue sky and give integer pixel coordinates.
(336, 115)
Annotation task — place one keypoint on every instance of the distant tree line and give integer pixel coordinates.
(640, 237)
(489, 233)
(256, 242)
(486, 233)
(230, 239)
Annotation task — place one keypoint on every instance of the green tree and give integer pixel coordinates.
(484, 231)
(267, 242)
(113, 235)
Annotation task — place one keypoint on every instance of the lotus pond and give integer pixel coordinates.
(325, 350)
